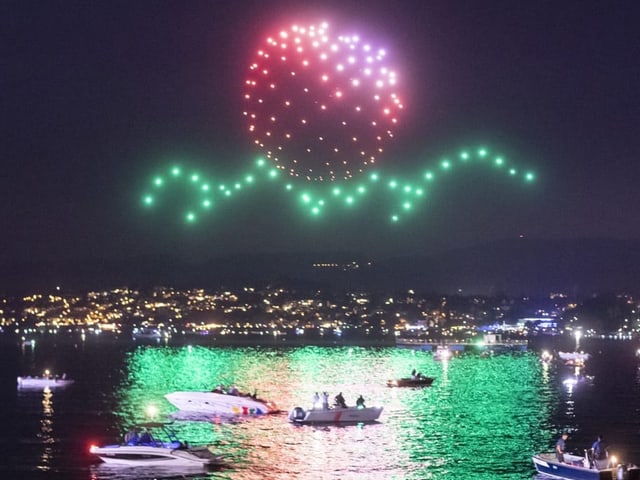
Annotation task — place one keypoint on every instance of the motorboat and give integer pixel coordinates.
(40, 383)
(417, 381)
(577, 467)
(221, 403)
(155, 444)
(442, 353)
(574, 358)
(150, 334)
(334, 415)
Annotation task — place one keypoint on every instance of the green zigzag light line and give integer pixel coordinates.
(318, 198)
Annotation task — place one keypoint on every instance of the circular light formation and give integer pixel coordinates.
(319, 106)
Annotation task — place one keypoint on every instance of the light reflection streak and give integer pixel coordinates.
(545, 373)
(46, 429)
(445, 370)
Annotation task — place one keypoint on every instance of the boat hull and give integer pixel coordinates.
(220, 403)
(334, 415)
(40, 383)
(410, 382)
(155, 455)
(574, 469)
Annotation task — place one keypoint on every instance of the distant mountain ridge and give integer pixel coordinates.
(515, 266)
(523, 266)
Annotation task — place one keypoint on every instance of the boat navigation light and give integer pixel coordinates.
(151, 411)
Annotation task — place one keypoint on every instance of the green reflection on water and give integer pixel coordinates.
(482, 418)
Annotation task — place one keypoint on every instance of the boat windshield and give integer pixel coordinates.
(152, 433)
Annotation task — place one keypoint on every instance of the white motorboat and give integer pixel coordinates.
(221, 403)
(150, 334)
(335, 415)
(574, 358)
(40, 383)
(442, 353)
(155, 444)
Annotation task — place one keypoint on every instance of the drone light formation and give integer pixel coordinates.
(319, 106)
(404, 196)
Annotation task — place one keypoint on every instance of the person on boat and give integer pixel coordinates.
(233, 390)
(339, 400)
(413, 374)
(131, 437)
(360, 402)
(145, 437)
(560, 447)
(599, 451)
(316, 400)
(325, 401)
(218, 389)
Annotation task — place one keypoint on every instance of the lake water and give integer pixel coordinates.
(483, 417)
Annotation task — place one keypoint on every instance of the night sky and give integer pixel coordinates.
(97, 97)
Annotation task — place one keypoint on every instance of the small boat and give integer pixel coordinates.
(574, 358)
(442, 353)
(221, 403)
(420, 381)
(150, 334)
(582, 468)
(334, 415)
(158, 445)
(40, 383)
